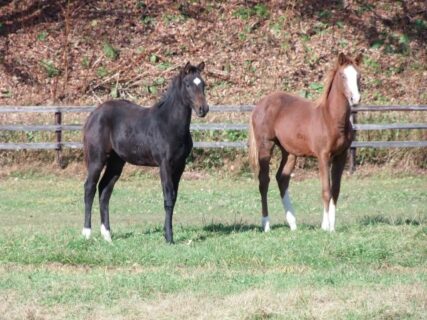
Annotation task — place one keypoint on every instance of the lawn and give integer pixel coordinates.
(222, 266)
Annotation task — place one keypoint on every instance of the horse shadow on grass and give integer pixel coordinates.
(192, 233)
(212, 230)
(133, 234)
(123, 235)
(220, 229)
(381, 219)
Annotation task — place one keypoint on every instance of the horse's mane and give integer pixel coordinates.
(328, 86)
(342, 61)
(174, 88)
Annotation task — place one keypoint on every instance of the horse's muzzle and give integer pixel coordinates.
(355, 99)
(202, 111)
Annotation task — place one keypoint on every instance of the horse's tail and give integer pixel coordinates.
(253, 148)
(85, 146)
(85, 142)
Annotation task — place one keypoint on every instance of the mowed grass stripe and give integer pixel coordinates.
(220, 256)
(49, 201)
(402, 245)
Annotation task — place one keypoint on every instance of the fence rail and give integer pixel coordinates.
(209, 127)
(59, 128)
(84, 109)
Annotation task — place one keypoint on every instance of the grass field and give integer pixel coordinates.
(222, 266)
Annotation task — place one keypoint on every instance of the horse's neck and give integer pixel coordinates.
(177, 115)
(337, 109)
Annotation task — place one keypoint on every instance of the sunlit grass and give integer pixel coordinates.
(220, 252)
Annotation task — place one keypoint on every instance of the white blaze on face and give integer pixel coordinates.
(350, 74)
(197, 81)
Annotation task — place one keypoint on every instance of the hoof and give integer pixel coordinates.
(105, 233)
(325, 224)
(86, 233)
(327, 228)
(169, 239)
(265, 224)
(290, 218)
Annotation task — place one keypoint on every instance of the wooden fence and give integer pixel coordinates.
(58, 127)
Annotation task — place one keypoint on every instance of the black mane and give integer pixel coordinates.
(174, 90)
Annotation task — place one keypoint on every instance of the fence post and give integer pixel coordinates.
(58, 133)
(353, 120)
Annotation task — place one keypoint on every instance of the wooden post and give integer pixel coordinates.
(58, 133)
(353, 120)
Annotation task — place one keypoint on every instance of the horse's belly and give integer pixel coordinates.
(136, 154)
(146, 160)
(299, 147)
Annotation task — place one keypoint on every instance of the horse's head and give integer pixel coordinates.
(194, 88)
(348, 70)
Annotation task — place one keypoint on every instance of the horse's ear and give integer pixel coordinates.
(186, 68)
(201, 66)
(342, 59)
(359, 59)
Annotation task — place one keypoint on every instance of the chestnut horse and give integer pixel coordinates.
(119, 131)
(303, 128)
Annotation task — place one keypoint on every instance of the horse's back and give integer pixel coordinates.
(278, 101)
(280, 106)
(109, 118)
(114, 112)
(116, 109)
(285, 118)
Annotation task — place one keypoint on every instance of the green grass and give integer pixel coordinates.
(222, 265)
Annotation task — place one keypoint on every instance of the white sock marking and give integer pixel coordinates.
(105, 233)
(86, 233)
(197, 81)
(331, 215)
(289, 211)
(351, 77)
(328, 222)
(325, 221)
(265, 224)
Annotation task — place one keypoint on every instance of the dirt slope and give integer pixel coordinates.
(83, 52)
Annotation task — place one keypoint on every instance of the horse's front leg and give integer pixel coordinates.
(338, 163)
(328, 222)
(169, 196)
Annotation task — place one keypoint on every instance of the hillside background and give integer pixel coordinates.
(84, 52)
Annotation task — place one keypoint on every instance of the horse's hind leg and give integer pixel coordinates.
(283, 177)
(112, 173)
(94, 171)
(338, 163)
(265, 150)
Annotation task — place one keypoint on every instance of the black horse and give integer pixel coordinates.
(119, 131)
